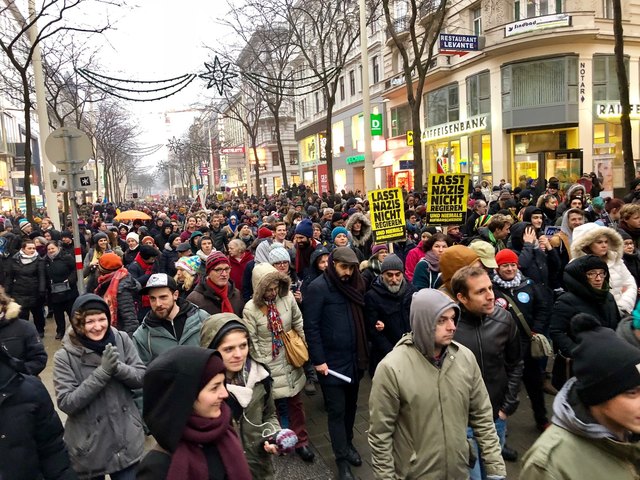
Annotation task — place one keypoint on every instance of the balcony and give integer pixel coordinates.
(401, 27)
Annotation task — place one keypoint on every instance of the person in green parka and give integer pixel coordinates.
(249, 384)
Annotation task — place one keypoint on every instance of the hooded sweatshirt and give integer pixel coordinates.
(426, 309)
(452, 260)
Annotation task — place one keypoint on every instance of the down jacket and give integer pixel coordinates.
(364, 240)
(621, 282)
(104, 430)
(287, 380)
(26, 284)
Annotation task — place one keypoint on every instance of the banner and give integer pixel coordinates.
(387, 215)
(447, 198)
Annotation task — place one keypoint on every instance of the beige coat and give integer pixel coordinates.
(287, 380)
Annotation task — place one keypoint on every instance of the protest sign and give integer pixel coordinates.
(447, 198)
(387, 215)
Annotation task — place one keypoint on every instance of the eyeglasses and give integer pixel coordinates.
(595, 274)
(221, 270)
(281, 264)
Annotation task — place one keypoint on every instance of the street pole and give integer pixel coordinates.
(369, 177)
(43, 121)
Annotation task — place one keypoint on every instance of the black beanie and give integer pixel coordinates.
(605, 365)
(593, 262)
(147, 251)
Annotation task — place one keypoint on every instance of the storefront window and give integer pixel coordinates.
(340, 179)
(445, 157)
(607, 155)
(357, 130)
(480, 156)
(337, 134)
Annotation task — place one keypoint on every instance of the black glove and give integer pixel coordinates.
(110, 359)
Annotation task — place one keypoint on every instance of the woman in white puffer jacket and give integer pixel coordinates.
(606, 243)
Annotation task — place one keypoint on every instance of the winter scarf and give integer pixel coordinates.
(51, 257)
(147, 267)
(111, 294)
(223, 293)
(517, 280)
(353, 290)
(27, 259)
(433, 260)
(97, 346)
(189, 461)
(275, 327)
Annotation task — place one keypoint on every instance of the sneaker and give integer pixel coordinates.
(310, 388)
(509, 454)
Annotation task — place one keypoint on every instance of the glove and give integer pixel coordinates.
(110, 359)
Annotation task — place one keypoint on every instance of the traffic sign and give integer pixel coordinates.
(59, 182)
(85, 180)
(409, 138)
(79, 149)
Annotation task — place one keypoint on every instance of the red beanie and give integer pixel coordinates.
(109, 262)
(506, 256)
(265, 232)
(215, 259)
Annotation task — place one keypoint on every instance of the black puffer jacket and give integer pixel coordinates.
(580, 297)
(31, 445)
(128, 300)
(21, 340)
(167, 261)
(495, 342)
(26, 283)
(61, 268)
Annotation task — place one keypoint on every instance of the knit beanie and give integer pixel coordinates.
(133, 235)
(598, 203)
(66, 234)
(214, 366)
(506, 256)
(377, 248)
(337, 231)
(278, 254)
(147, 238)
(305, 227)
(99, 236)
(624, 234)
(215, 259)
(147, 252)
(391, 262)
(191, 265)
(22, 223)
(604, 364)
(265, 232)
(110, 262)
(185, 236)
(337, 216)
(87, 301)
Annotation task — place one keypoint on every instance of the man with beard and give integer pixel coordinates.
(218, 234)
(387, 306)
(305, 245)
(172, 321)
(336, 334)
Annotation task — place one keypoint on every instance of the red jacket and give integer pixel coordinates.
(237, 268)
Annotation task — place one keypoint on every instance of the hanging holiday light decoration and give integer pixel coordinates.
(218, 75)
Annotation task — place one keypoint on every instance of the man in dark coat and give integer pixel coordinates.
(387, 306)
(335, 331)
(30, 429)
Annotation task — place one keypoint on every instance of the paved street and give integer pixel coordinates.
(522, 432)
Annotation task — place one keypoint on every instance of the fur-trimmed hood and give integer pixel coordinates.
(11, 312)
(574, 191)
(262, 276)
(365, 231)
(586, 234)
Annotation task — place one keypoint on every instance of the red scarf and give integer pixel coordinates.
(111, 294)
(148, 270)
(223, 293)
(189, 460)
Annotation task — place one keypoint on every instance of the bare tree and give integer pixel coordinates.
(324, 34)
(414, 33)
(19, 43)
(623, 86)
(265, 59)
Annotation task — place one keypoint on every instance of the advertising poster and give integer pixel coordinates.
(387, 215)
(447, 197)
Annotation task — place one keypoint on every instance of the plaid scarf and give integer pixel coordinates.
(275, 327)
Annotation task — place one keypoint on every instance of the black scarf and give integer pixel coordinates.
(98, 346)
(354, 290)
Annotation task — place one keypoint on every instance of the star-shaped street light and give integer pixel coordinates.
(218, 75)
(174, 145)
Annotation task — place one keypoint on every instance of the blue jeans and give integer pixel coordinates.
(477, 472)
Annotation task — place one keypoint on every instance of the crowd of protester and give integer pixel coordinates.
(183, 328)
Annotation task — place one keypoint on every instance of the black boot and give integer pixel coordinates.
(353, 457)
(344, 471)
(509, 454)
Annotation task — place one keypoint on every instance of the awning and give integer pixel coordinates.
(389, 157)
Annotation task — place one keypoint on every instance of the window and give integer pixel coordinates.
(374, 26)
(341, 82)
(443, 105)
(605, 79)
(476, 17)
(317, 96)
(607, 9)
(352, 82)
(302, 108)
(478, 94)
(275, 158)
(536, 8)
(540, 83)
(293, 157)
(376, 69)
(400, 120)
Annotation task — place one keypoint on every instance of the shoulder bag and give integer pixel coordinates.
(540, 345)
(296, 349)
